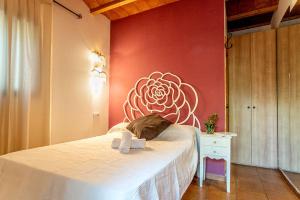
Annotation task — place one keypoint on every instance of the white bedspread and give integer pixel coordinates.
(90, 169)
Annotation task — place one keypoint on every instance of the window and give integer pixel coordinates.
(12, 56)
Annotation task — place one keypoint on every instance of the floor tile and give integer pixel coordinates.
(247, 183)
(251, 196)
(251, 185)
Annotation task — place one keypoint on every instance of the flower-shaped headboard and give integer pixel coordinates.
(165, 94)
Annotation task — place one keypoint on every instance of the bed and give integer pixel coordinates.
(90, 169)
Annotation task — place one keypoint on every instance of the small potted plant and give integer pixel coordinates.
(210, 124)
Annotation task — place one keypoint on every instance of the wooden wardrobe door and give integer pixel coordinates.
(239, 91)
(288, 59)
(283, 71)
(264, 99)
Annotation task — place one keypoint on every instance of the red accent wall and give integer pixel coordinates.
(185, 38)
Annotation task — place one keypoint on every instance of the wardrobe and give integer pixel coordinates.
(288, 67)
(252, 97)
(263, 71)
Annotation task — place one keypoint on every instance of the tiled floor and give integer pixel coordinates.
(247, 183)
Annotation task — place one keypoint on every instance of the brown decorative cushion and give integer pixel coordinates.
(149, 126)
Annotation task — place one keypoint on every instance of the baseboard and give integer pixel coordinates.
(216, 177)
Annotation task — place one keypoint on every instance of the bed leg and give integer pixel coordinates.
(201, 172)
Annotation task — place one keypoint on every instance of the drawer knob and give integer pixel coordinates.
(215, 142)
(214, 151)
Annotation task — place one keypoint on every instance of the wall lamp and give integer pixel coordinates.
(99, 63)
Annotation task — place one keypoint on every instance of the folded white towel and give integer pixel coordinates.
(125, 142)
(138, 143)
(135, 143)
(115, 143)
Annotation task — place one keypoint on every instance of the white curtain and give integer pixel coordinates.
(25, 60)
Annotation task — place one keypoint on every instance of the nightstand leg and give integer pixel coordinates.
(201, 172)
(228, 175)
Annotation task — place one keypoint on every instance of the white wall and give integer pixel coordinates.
(72, 100)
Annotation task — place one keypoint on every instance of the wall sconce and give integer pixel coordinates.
(98, 72)
(98, 59)
(99, 62)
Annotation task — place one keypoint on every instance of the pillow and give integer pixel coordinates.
(119, 127)
(149, 126)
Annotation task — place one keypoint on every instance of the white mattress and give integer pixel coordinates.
(90, 170)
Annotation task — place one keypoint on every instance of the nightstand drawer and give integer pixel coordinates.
(215, 151)
(211, 141)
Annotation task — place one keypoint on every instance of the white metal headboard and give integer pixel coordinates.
(165, 94)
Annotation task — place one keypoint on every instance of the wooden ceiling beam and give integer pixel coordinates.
(252, 13)
(110, 6)
(283, 6)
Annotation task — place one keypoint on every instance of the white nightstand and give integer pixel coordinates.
(215, 146)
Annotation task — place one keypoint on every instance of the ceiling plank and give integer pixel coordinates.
(252, 13)
(138, 6)
(110, 6)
